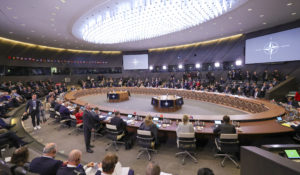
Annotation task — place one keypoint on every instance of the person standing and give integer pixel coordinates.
(89, 121)
(34, 106)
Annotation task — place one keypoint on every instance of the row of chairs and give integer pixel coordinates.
(227, 144)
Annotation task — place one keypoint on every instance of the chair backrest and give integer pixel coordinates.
(186, 135)
(145, 138)
(228, 136)
(186, 141)
(144, 132)
(229, 143)
(111, 127)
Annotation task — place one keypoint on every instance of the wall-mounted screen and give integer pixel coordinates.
(276, 47)
(132, 62)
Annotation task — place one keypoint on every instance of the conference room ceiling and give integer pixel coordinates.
(50, 23)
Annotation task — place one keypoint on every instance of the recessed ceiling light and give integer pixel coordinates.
(32, 31)
(8, 8)
(28, 38)
(11, 32)
(23, 25)
(63, 1)
(230, 17)
(264, 23)
(52, 19)
(289, 4)
(239, 23)
(57, 7)
(15, 17)
(241, 29)
(293, 13)
(261, 16)
(54, 29)
(53, 14)
(249, 10)
(54, 40)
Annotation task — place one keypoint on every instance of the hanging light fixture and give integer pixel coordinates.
(135, 20)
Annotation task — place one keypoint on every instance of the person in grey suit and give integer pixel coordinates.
(225, 127)
(89, 121)
(185, 126)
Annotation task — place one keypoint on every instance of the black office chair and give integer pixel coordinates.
(4, 151)
(146, 141)
(56, 118)
(187, 143)
(77, 127)
(114, 135)
(228, 145)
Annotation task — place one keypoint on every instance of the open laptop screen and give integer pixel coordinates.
(292, 154)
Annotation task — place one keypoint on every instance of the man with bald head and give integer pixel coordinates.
(73, 166)
(89, 122)
(46, 165)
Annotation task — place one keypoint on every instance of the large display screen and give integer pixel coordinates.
(276, 47)
(132, 62)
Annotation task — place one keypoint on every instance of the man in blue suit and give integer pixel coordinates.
(73, 166)
(34, 111)
(46, 165)
(65, 113)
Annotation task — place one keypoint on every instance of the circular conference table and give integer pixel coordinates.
(260, 117)
(167, 103)
(117, 96)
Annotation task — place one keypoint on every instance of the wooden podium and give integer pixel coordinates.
(167, 103)
(117, 96)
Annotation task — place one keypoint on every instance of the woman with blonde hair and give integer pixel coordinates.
(148, 125)
(185, 126)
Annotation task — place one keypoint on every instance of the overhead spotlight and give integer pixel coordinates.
(164, 67)
(217, 64)
(180, 66)
(197, 65)
(150, 67)
(238, 62)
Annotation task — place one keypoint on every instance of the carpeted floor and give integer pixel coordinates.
(143, 103)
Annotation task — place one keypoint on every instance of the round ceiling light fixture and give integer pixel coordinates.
(122, 21)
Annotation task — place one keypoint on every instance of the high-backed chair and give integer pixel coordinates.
(77, 127)
(146, 141)
(114, 135)
(187, 143)
(228, 145)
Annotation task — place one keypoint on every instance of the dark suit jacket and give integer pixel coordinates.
(71, 171)
(64, 112)
(29, 105)
(90, 119)
(225, 129)
(119, 122)
(57, 107)
(45, 166)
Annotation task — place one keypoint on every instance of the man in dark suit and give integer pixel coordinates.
(46, 165)
(73, 166)
(118, 121)
(34, 111)
(65, 113)
(225, 127)
(89, 121)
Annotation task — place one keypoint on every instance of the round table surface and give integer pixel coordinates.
(167, 97)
